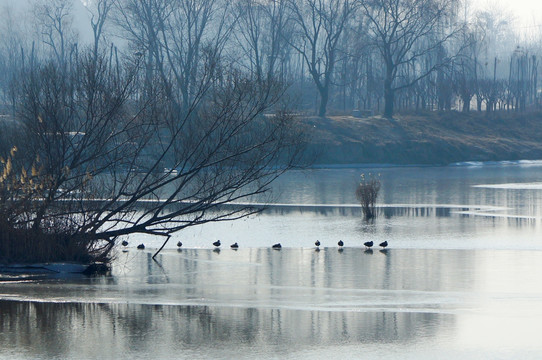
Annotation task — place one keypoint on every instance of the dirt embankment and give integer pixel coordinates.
(430, 138)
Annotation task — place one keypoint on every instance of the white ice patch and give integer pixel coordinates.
(512, 186)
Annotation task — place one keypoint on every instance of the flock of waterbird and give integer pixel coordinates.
(368, 245)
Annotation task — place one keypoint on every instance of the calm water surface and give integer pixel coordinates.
(461, 279)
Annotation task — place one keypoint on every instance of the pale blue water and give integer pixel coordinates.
(460, 279)
(454, 207)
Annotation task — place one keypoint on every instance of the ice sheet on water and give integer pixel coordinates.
(498, 163)
(512, 186)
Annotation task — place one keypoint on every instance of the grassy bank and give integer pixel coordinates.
(427, 138)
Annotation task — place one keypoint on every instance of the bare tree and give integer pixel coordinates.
(174, 36)
(463, 82)
(96, 148)
(99, 11)
(54, 23)
(262, 33)
(13, 45)
(320, 25)
(404, 31)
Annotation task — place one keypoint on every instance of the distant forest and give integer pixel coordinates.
(358, 57)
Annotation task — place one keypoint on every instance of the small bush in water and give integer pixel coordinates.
(367, 193)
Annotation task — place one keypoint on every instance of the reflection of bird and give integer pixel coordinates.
(141, 246)
(340, 243)
(234, 246)
(124, 243)
(277, 246)
(317, 243)
(383, 244)
(217, 243)
(179, 244)
(368, 244)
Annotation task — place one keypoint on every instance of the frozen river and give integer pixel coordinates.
(460, 280)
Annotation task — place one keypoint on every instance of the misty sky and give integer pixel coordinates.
(528, 12)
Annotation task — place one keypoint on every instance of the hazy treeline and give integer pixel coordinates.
(335, 55)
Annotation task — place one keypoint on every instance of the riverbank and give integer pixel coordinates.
(435, 138)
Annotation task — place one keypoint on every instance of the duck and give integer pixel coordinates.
(277, 246)
(124, 243)
(317, 243)
(141, 246)
(179, 244)
(340, 243)
(234, 246)
(383, 244)
(217, 243)
(368, 244)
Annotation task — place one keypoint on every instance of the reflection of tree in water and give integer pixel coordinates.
(89, 330)
(387, 212)
(414, 211)
(282, 302)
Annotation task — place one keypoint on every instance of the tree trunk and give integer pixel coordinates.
(324, 97)
(389, 98)
(466, 104)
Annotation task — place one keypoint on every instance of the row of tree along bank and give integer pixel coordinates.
(338, 55)
(433, 138)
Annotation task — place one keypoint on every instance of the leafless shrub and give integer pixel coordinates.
(367, 193)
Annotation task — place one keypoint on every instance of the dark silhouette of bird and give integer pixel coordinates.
(141, 246)
(383, 244)
(340, 243)
(317, 243)
(179, 244)
(217, 243)
(277, 246)
(124, 243)
(234, 246)
(368, 244)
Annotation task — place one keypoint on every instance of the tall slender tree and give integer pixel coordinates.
(319, 26)
(404, 31)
